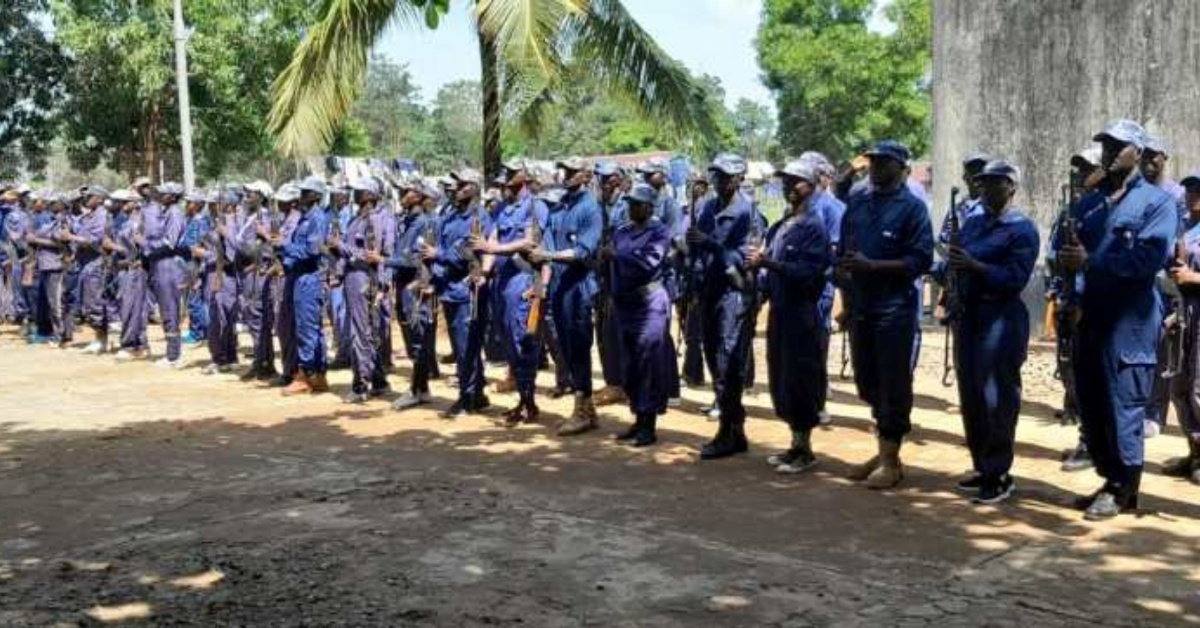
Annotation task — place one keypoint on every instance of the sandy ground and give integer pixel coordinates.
(134, 495)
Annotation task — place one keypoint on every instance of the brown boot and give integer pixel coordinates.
(299, 385)
(582, 420)
(890, 471)
(610, 395)
(318, 384)
(862, 471)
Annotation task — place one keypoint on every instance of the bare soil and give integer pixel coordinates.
(131, 495)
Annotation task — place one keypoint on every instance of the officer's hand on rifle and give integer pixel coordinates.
(1184, 276)
(479, 243)
(262, 232)
(755, 257)
(856, 263)
(538, 255)
(1072, 257)
(275, 240)
(373, 257)
(429, 253)
(960, 259)
(696, 237)
(198, 252)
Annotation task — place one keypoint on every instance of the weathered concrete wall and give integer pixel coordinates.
(1033, 80)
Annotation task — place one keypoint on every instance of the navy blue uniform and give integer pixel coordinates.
(451, 271)
(992, 335)
(1127, 243)
(642, 308)
(884, 308)
(577, 226)
(514, 277)
(303, 250)
(724, 304)
(416, 313)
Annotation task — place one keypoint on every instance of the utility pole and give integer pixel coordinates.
(185, 105)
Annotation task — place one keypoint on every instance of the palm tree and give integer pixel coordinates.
(525, 48)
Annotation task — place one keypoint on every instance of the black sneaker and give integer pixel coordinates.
(802, 462)
(381, 391)
(457, 409)
(786, 457)
(971, 485)
(1078, 460)
(995, 491)
(480, 403)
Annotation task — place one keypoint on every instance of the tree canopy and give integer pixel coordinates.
(837, 84)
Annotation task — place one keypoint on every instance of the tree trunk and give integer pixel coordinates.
(490, 86)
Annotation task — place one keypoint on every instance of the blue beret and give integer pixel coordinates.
(892, 150)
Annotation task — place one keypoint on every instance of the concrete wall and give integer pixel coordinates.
(1033, 80)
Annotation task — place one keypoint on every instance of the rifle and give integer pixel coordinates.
(1178, 327)
(954, 301)
(275, 269)
(421, 288)
(754, 239)
(218, 283)
(371, 293)
(474, 263)
(691, 296)
(535, 298)
(1065, 305)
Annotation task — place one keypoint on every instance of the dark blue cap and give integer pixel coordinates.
(729, 164)
(976, 159)
(1002, 169)
(1191, 180)
(642, 193)
(892, 150)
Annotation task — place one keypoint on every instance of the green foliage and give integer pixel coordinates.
(32, 69)
(839, 86)
(122, 108)
(536, 45)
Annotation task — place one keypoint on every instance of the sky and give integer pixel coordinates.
(709, 36)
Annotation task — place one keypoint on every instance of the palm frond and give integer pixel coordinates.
(327, 71)
(527, 32)
(629, 61)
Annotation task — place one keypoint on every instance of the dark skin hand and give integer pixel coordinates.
(960, 259)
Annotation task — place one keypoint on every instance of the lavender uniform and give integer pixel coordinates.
(370, 337)
(642, 308)
(93, 280)
(222, 300)
(134, 310)
(18, 224)
(50, 265)
(164, 229)
(257, 285)
(794, 280)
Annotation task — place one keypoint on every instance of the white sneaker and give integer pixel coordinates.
(166, 363)
(94, 348)
(125, 355)
(674, 402)
(823, 418)
(714, 414)
(241, 328)
(1150, 429)
(114, 328)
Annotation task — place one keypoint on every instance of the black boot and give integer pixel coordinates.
(730, 441)
(1185, 466)
(647, 434)
(632, 432)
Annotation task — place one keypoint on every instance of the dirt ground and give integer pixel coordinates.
(136, 496)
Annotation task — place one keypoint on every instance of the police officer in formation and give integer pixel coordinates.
(1124, 233)
(599, 252)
